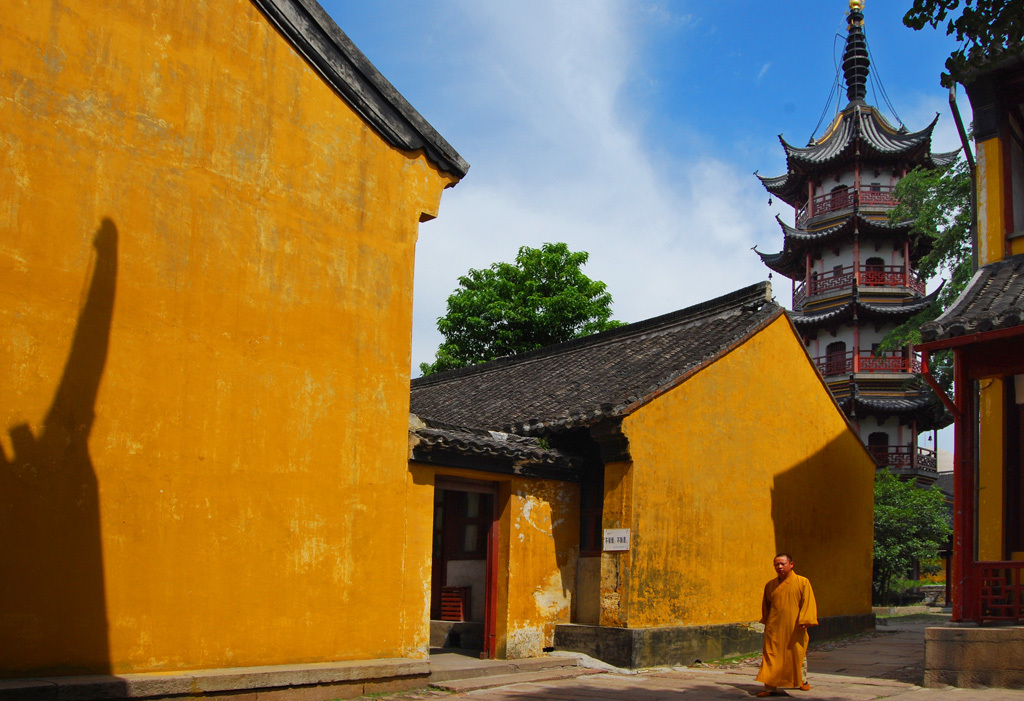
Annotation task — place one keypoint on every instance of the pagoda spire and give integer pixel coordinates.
(855, 58)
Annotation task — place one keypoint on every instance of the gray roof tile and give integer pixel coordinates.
(993, 300)
(583, 381)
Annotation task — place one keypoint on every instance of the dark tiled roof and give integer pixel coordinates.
(858, 128)
(896, 312)
(493, 450)
(865, 127)
(788, 263)
(924, 407)
(583, 381)
(329, 51)
(790, 260)
(835, 315)
(993, 300)
(945, 483)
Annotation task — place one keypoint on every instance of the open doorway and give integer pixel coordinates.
(463, 565)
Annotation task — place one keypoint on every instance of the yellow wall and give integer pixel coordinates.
(991, 208)
(617, 512)
(990, 470)
(204, 411)
(543, 543)
(747, 458)
(537, 553)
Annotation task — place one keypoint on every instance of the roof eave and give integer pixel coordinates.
(329, 51)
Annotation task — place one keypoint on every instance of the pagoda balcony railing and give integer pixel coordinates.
(870, 196)
(869, 276)
(867, 361)
(902, 457)
(1000, 590)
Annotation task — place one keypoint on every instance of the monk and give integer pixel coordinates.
(786, 610)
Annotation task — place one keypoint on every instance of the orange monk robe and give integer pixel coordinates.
(787, 605)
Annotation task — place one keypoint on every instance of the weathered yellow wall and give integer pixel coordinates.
(199, 476)
(537, 553)
(617, 512)
(990, 470)
(543, 550)
(991, 234)
(747, 458)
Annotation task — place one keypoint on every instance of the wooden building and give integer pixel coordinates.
(984, 329)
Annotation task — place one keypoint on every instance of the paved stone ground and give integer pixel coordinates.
(884, 664)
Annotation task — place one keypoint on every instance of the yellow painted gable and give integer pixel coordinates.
(747, 458)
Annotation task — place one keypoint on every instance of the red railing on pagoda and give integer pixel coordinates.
(867, 361)
(869, 276)
(870, 196)
(1000, 590)
(902, 456)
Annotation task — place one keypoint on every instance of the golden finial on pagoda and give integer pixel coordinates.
(856, 5)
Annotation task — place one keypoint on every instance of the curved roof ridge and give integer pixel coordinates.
(908, 307)
(733, 301)
(592, 380)
(328, 50)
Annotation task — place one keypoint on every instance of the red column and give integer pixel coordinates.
(807, 274)
(856, 259)
(965, 599)
(856, 344)
(906, 263)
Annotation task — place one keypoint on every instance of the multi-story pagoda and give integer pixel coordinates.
(853, 272)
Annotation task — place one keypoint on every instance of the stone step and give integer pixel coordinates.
(451, 667)
(489, 682)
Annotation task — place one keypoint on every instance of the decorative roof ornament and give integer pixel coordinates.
(855, 58)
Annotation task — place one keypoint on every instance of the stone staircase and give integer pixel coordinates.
(460, 672)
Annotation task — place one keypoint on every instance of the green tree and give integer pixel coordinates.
(938, 202)
(911, 524)
(985, 29)
(541, 299)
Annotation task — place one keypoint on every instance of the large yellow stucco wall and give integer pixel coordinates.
(543, 551)
(538, 549)
(747, 458)
(206, 264)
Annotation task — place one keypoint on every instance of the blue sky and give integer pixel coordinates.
(627, 129)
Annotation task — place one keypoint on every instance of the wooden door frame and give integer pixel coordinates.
(492, 488)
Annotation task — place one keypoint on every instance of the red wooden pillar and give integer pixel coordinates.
(856, 344)
(906, 263)
(856, 258)
(966, 605)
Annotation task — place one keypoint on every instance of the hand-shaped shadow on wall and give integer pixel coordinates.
(52, 604)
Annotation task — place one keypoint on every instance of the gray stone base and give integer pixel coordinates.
(974, 657)
(466, 635)
(683, 645)
(310, 682)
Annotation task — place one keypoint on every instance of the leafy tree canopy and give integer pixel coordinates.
(911, 524)
(985, 29)
(541, 299)
(938, 204)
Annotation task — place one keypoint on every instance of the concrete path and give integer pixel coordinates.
(885, 664)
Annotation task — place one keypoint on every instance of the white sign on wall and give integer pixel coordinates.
(616, 539)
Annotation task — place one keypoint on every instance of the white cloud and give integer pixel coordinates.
(764, 69)
(565, 161)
